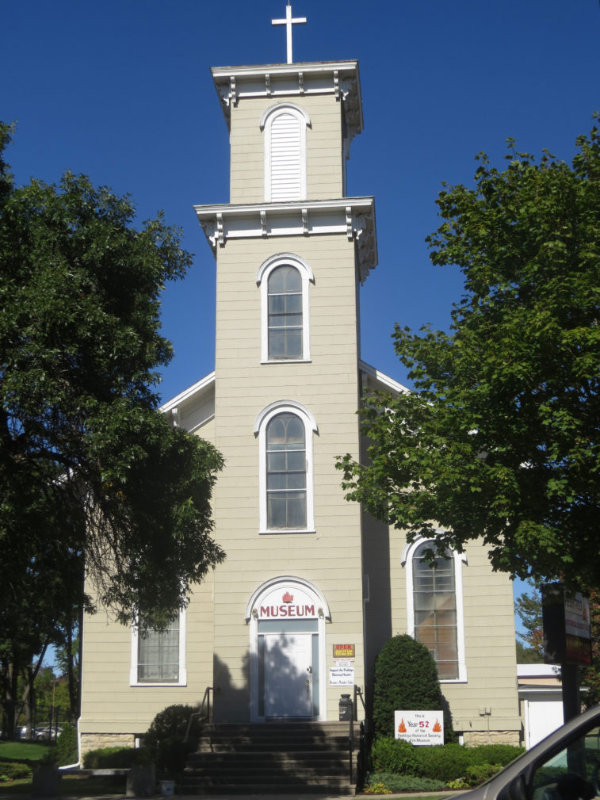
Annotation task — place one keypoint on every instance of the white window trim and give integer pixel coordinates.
(266, 123)
(262, 281)
(133, 677)
(459, 558)
(260, 428)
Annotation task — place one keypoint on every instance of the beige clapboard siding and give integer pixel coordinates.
(324, 166)
(242, 391)
(330, 558)
(110, 703)
(488, 620)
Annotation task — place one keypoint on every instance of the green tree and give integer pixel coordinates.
(406, 678)
(500, 438)
(528, 607)
(90, 470)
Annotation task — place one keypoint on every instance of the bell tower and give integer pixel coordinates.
(291, 250)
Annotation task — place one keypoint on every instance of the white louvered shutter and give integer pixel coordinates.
(286, 156)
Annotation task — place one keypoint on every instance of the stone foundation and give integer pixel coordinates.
(475, 738)
(93, 741)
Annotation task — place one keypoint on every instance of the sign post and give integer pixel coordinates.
(567, 639)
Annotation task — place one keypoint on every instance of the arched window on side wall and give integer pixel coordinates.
(435, 607)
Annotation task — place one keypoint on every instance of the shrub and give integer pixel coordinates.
(394, 756)
(401, 783)
(165, 739)
(495, 753)
(452, 765)
(115, 758)
(376, 788)
(406, 678)
(479, 773)
(444, 763)
(12, 771)
(66, 746)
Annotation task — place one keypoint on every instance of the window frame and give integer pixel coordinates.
(266, 125)
(182, 677)
(458, 559)
(262, 281)
(260, 431)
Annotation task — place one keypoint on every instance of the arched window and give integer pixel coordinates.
(285, 313)
(283, 280)
(285, 440)
(435, 607)
(286, 472)
(285, 152)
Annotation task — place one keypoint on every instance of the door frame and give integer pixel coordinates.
(282, 598)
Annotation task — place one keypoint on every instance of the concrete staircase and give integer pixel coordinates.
(274, 758)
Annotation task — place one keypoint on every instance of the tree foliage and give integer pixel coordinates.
(90, 470)
(500, 438)
(528, 608)
(406, 678)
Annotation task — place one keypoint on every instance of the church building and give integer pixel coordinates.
(312, 586)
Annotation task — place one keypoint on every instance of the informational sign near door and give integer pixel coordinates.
(419, 727)
(341, 673)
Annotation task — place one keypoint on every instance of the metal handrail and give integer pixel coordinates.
(205, 712)
(361, 760)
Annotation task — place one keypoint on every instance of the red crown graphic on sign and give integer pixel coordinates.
(287, 597)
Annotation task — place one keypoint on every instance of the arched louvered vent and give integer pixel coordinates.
(285, 153)
(286, 183)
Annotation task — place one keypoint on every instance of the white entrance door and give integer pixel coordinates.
(288, 675)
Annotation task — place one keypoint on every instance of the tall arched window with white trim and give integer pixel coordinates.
(286, 472)
(285, 126)
(284, 282)
(435, 607)
(285, 313)
(285, 430)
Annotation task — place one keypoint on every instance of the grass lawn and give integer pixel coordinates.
(22, 751)
(71, 786)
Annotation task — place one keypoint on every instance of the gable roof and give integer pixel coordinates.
(195, 406)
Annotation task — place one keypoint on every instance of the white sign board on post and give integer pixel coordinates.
(419, 727)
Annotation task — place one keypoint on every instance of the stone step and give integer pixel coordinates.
(272, 758)
(284, 756)
(329, 786)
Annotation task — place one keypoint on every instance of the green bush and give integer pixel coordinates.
(66, 746)
(450, 764)
(495, 753)
(444, 763)
(479, 773)
(394, 756)
(406, 678)
(381, 781)
(115, 758)
(12, 771)
(165, 739)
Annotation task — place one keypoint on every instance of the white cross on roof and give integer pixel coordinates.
(288, 22)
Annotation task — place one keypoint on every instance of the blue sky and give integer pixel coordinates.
(121, 90)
